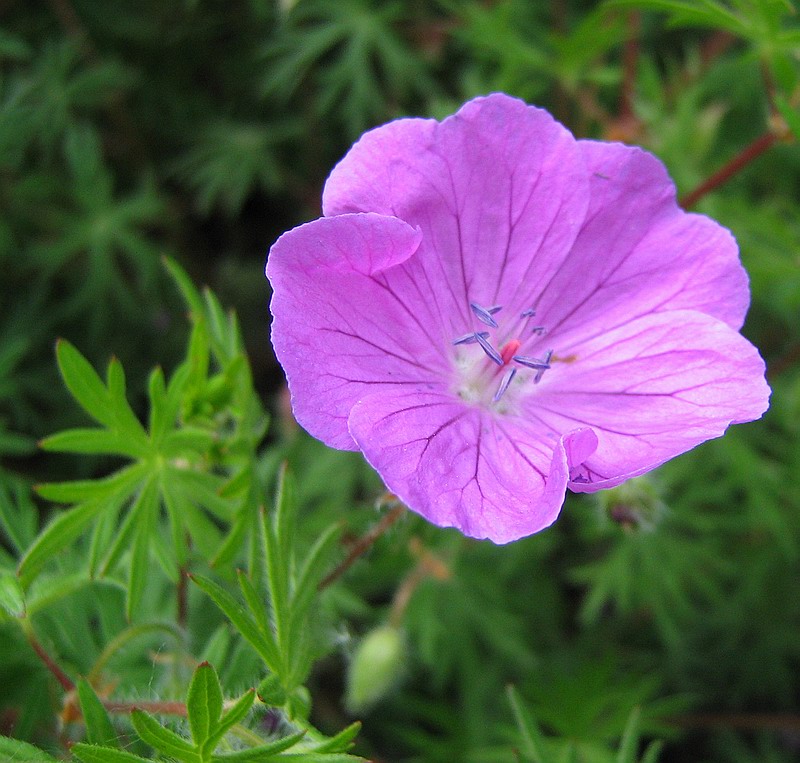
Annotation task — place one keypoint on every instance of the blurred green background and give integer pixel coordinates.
(200, 130)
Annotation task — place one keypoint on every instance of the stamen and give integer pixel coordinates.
(540, 330)
(507, 379)
(470, 338)
(529, 313)
(526, 360)
(540, 372)
(484, 315)
(494, 309)
(488, 349)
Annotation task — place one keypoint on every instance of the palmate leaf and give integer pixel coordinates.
(204, 426)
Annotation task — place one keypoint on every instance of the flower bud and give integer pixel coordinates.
(376, 667)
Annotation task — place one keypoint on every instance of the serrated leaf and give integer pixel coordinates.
(263, 643)
(261, 753)
(90, 753)
(162, 739)
(16, 751)
(12, 598)
(98, 725)
(204, 702)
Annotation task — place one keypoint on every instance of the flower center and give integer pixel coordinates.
(484, 370)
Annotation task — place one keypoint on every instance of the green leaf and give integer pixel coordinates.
(652, 752)
(58, 534)
(204, 702)
(98, 725)
(187, 288)
(630, 738)
(532, 740)
(260, 753)
(262, 642)
(90, 753)
(84, 383)
(162, 739)
(790, 114)
(12, 598)
(146, 510)
(342, 741)
(235, 714)
(15, 751)
(95, 441)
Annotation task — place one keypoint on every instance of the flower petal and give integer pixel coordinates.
(461, 467)
(638, 252)
(650, 390)
(337, 330)
(499, 192)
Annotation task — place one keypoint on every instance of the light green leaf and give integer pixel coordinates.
(12, 598)
(90, 753)
(162, 739)
(15, 751)
(261, 753)
(204, 702)
(58, 534)
(235, 714)
(98, 725)
(84, 384)
(262, 642)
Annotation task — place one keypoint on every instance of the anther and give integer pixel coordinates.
(540, 330)
(538, 364)
(504, 384)
(488, 349)
(471, 338)
(484, 315)
(529, 313)
(540, 372)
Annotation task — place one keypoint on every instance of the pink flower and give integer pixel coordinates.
(493, 311)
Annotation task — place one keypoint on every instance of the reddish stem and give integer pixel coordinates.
(630, 60)
(362, 544)
(62, 678)
(725, 173)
